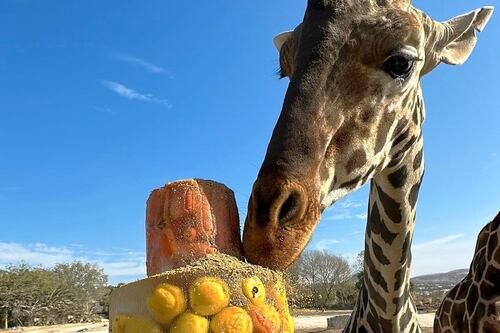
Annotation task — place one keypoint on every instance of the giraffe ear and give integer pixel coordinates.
(462, 35)
(453, 41)
(281, 39)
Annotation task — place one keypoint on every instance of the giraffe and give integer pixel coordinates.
(470, 306)
(352, 114)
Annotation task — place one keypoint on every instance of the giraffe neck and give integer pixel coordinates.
(384, 303)
(471, 305)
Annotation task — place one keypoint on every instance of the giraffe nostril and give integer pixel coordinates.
(289, 208)
(274, 204)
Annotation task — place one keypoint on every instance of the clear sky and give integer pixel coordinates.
(103, 101)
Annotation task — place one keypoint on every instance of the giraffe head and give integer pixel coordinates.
(353, 106)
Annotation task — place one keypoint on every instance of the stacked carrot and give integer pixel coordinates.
(187, 220)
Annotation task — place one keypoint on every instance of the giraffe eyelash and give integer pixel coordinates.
(280, 72)
(400, 65)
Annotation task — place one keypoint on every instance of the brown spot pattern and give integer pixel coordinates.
(391, 206)
(357, 160)
(398, 177)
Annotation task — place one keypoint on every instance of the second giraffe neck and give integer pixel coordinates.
(384, 303)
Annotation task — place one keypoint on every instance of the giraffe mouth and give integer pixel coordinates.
(282, 215)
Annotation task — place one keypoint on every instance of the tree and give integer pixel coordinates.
(358, 268)
(23, 291)
(319, 275)
(40, 296)
(83, 284)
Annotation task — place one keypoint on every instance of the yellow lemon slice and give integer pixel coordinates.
(208, 296)
(254, 290)
(166, 302)
(232, 320)
(190, 323)
(128, 324)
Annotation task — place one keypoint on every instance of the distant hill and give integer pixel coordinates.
(441, 282)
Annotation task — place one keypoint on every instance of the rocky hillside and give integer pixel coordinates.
(438, 283)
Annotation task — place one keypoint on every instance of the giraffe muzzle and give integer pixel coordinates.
(281, 218)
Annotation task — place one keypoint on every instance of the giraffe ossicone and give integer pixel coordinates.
(353, 114)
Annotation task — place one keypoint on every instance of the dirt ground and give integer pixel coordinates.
(315, 321)
(70, 328)
(305, 322)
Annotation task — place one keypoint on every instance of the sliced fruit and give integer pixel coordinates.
(130, 324)
(232, 320)
(208, 296)
(166, 302)
(190, 323)
(265, 319)
(254, 290)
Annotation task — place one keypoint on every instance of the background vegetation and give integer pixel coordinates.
(66, 293)
(79, 292)
(322, 280)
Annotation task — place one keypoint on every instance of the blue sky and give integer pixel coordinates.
(103, 101)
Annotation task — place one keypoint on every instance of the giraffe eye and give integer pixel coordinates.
(399, 66)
